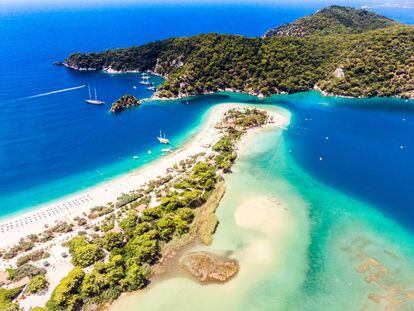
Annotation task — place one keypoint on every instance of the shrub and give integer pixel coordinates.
(66, 295)
(25, 270)
(112, 240)
(33, 256)
(84, 253)
(37, 284)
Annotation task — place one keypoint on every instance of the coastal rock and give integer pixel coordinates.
(339, 73)
(207, 268)
(124, 102)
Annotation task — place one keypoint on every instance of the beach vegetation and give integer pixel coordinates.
(33, 238)
(129, 223)
(24, 245)
(135, 277)
(83, 252)
(66, 295)
(62, 227)
(37, 285)
(99, 211)
(46, 236)
(33, 256)
(112, 240)
(125, 199)
(108, 223)
(142, 228)
(6, 299)
(18, 273)
(142, 249)
(81, 222)
(151, 214)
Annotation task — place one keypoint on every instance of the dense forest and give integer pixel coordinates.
(332, 20)
(339, 50)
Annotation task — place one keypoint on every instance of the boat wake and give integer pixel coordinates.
(52, 92)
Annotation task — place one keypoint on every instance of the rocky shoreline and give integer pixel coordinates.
(156, 96)
(124, 102)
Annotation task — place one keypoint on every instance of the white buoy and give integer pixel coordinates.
(320, 158)
(326, 137)
(401, 147)
(149, 152)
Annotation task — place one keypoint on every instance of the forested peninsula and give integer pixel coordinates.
(338, 50)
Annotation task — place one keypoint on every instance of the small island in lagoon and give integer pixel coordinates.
(120, 245)
(207, 268)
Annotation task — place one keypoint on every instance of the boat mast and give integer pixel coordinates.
(96, 97)
(89, 90)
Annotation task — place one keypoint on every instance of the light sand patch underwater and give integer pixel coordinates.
(264, 214)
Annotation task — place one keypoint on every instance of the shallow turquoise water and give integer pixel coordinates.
(305, 254)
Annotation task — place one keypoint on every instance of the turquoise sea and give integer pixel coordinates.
(300, 243)
(343, 169)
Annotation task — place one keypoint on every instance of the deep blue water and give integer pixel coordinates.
(53, 145)
(363, 147)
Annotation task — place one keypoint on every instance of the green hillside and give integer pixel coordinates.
(358, 62)
(333, 20)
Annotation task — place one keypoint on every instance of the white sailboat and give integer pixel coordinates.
(162, 139)
(145, 80)
(95, 101)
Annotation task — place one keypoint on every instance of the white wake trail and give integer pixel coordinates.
(53, 92)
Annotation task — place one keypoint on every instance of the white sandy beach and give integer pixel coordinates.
(17, 227)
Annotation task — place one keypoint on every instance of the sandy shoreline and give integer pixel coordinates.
(17, 227)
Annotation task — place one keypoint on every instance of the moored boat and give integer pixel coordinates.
(95, 101)
(162, 139)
